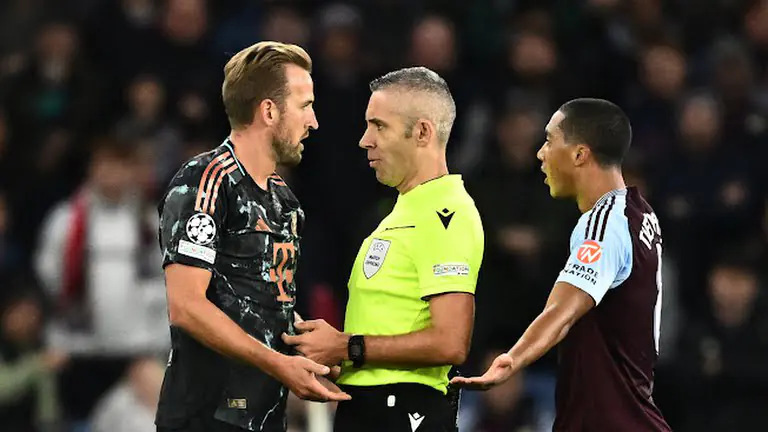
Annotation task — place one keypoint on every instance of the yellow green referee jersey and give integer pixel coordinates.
(431, 243)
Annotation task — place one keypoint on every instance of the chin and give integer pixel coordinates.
(554, 193)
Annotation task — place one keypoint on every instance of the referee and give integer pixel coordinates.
(411, 292)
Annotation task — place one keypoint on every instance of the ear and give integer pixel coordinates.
(424, 131)
(581, 154)
(268, 111)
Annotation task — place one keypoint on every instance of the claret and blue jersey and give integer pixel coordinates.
(607, 359)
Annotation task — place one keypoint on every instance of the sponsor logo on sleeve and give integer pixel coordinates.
(581, 271)
(451, 269)
(197, 251)
(589, 252)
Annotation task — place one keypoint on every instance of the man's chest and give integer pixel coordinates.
(261, 239)
(385, 262)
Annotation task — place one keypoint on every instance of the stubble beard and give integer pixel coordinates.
(285, 152)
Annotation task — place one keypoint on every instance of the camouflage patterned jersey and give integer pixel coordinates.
(214, 216)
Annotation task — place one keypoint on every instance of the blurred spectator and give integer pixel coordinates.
(55, 91)
(130, 406)
(334, 168)
(98, 262)
(146, 122)
(703, 191)
(722, 358)
(188, 69)
(529, 73)
(285, 24)
(10, 254)
(733, 79)
(526, 239)
(92, 259)
(434, 45)
(653, 104)
(28, 396)
(18, 22)
(122, 40)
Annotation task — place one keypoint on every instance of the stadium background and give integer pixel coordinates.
(143, 77)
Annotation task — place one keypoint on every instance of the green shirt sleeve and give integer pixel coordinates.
(18, 377)
(448, 251)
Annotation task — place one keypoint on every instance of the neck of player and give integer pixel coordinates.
(595, 185)
(426, 169)
(254, 151)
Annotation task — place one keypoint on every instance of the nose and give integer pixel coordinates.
(540, 154)
(366, 142)
(313, 124)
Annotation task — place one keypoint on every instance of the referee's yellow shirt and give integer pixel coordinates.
(431, 243)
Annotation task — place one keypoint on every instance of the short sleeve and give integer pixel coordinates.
(191, 218)
(448, 252)
(595, 266)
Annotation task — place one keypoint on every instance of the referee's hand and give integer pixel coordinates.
(300, 375)
(500, 371)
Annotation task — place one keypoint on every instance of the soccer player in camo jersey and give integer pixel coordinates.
(605, 307)
(229, 233)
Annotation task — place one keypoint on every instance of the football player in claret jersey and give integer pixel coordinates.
(229, 232)
(605, 307)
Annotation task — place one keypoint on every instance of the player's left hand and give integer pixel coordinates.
(500, 371)
(319, 342)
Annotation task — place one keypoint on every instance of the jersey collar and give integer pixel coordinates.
(239, 173)
(431, 188)
(608, 195)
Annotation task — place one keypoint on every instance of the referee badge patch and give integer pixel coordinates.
(374, 259)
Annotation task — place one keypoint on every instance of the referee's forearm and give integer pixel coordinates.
(428, 347)
(213, 328)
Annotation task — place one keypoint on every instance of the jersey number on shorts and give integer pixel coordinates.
(283, 252)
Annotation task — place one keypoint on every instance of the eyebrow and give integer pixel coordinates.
(375, 121)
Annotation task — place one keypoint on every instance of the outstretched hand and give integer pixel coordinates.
(500, 371)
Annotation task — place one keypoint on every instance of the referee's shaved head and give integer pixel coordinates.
(429, 97)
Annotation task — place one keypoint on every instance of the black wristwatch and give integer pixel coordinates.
(356, 350)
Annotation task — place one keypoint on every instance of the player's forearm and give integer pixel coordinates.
(546, 331)
(213, 328)
(428, 347)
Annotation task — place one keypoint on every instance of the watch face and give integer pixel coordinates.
(355, 350)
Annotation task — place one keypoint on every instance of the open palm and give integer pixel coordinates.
(500, 371)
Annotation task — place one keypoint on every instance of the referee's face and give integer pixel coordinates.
(391, 152)
(556, 159)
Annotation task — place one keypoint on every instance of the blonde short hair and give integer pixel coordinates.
(257, 73)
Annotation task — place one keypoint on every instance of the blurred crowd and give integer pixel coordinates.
(101, 101)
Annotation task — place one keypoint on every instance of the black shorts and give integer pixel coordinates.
(203, 424)
(394, 408)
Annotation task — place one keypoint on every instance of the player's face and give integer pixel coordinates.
(391, 148)
(112, 177)
(556, 158)
(296, 118)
